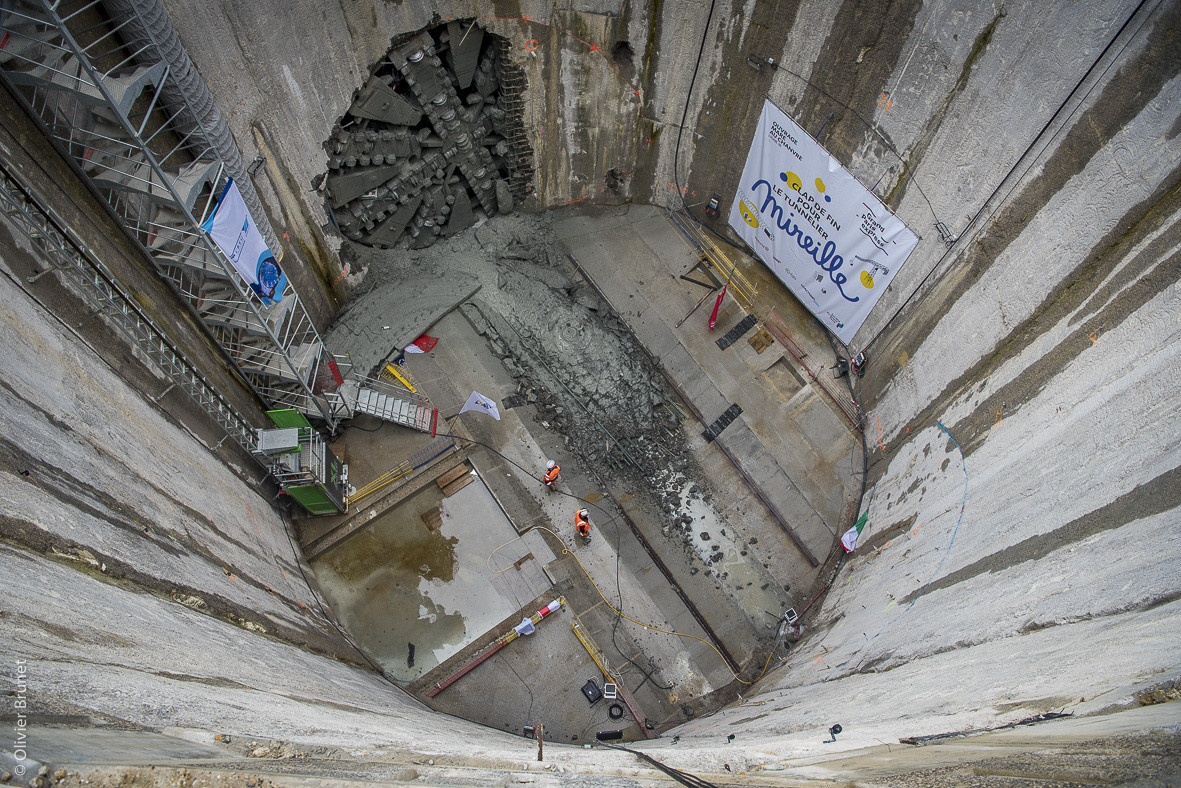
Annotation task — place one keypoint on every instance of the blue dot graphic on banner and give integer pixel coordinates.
(271, 280)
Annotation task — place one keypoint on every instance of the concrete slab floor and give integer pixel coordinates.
(635, 256)
(416, 585)
(752, 570)
(537, 679)
(641, 254)
(459, 357)
(520, 437)
(365, 586)
(779, 564)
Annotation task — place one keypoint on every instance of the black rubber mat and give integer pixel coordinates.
(512, 401)
(724, 421)
(734, 334)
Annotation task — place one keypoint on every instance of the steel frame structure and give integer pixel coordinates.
(63, 252)
(102, 105)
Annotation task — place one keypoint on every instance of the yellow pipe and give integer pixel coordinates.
(739, 284)
(593, 650)
(381, 481)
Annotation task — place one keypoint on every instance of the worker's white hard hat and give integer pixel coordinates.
(583, 512)
(549, 465)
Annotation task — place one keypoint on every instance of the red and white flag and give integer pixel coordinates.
(424, 344)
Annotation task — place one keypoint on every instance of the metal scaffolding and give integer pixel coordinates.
(102, 104)
(66, 254)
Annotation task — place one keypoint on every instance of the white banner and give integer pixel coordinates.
(825, 236)
(233, 230)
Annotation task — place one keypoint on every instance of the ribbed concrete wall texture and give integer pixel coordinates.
(1023, 439)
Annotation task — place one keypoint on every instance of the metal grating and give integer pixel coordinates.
(725, 420)
(734, 334)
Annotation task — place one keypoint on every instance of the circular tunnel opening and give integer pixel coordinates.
(433, 142)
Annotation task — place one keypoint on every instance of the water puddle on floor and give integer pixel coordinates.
(741, 576)
(413, 587)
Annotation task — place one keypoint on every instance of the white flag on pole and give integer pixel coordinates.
(478, 401)
(849, 540)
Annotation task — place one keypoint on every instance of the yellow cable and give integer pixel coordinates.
(488, 560)
(566, 551)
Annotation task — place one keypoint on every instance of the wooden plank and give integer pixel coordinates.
(458, 485)
(433, 518)
(452, 475)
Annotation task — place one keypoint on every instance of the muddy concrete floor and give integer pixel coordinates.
(414, 594)
(667, 675)
(573, 384)
(581, 370)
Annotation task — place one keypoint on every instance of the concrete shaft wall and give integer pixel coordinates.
(1036, 570)
(147, 583)
(1023, 488)
(94, 474)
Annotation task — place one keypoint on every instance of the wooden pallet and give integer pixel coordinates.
(433, 519)
(762, 340)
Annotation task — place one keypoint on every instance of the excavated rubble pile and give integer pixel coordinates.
(583, 370)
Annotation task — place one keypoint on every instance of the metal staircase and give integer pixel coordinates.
(376, 398)
(64, 253)
(102, 103)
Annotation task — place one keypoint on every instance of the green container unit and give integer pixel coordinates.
(314, 498)
(288, 417)
(303, 464)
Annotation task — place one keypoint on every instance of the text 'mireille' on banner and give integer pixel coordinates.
(825, 236)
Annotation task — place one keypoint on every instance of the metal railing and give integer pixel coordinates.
(65, 253)
(102, 104)
(738, 285)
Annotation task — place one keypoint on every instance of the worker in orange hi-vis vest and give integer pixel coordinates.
(551, 474)
(582, 524)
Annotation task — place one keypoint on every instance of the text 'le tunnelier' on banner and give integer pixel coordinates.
(825, 236)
